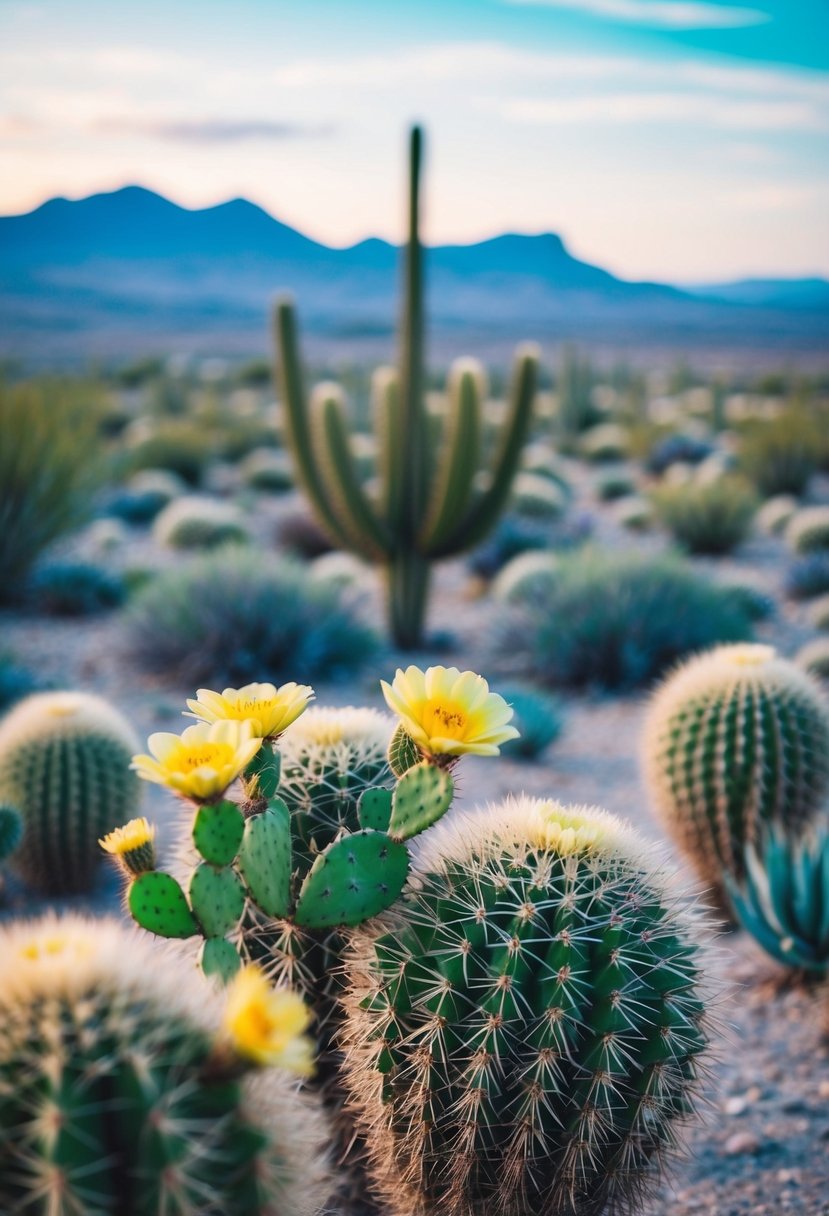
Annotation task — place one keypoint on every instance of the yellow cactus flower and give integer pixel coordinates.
(269, 709)
(133, 845)
(201, 762)
(267, 1025)
(449, 712)
(568, 830)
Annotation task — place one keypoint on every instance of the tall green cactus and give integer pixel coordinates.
(64, 764)
(123, 1090)
(525, 1030)
(436, 499)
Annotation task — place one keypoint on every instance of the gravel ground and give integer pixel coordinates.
(763, 1145)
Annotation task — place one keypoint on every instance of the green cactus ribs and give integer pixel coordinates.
(124, 1056)
(64, 765)
(536, 1015)
(438, 495)
(736, 742)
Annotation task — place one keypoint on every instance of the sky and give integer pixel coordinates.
(679, 140)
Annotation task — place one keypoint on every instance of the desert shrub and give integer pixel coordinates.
(617, 620)
(145, 495)
(604, 442)
(808, 530)
(515, 535)
(16, 681)
(780, 454)
(73, 588)
(775, 513)
(537, 497)
(541, 459)
(527, 574)
(707, 517)
(634, 513)
(233, 615)
(199, 522)
(676, 449)
(239, 438)
(299, 534)
(179, 446)
(538, 718)
(819, 613)
(814, 658)
(808, 577)
(268, 470)
(756, 604)
(614, 485)
(48, 473)
(340, 569)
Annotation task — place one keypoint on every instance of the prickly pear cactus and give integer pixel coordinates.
(329, 757)
(64, 763)
(119, 1095)
(736, 740)
(524, 1030)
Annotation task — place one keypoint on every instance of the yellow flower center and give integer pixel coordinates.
(750, 656)
(51, 947)
(445, 719)
(204, 755)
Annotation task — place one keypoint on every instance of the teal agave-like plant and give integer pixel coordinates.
(438, 494)
(783, 898)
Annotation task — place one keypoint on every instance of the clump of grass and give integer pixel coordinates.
(49, 470)
(75, 589)
(707, 516)
(616, 621)
(538, 718)
(199, 522)
(808, 577)
(780, 454)
(237, 615)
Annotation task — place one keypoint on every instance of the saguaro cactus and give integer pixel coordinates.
(436, 498)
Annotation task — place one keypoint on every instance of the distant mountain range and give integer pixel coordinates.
(116, 274)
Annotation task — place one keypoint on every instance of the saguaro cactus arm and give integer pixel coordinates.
(483, 514)
(414, 473)
(455, 475)
(356, 516)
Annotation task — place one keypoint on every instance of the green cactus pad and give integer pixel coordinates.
(265, 766)
(374, 810)
(217, 832)
(421, 797)
(219, 957)
(403, 752)
(265, 859)
(158, 904)
(355, 878)
(217, 898)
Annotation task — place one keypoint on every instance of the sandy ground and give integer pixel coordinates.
(763, 1145)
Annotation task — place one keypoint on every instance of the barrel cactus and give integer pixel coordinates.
(736, 740)
(808, 530)
(64, 764)
(125, 1091)
(525, 1030)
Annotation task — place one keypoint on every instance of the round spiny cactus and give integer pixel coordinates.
(524, 1032)
(526, 576)
(117, 1094)
(329, 756)
(808, 530)
(64, 763)
(736, 740)
(200, 522)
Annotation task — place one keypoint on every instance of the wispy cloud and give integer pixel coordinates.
(667, 14)
(670, 108)
(211, 130)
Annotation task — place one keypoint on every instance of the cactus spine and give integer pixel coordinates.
(524, 1030)
(736, 741)
(430, 505)
(118, 1098)
(64, 764)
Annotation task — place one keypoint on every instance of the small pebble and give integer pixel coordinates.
(740, 1143)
